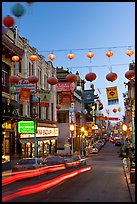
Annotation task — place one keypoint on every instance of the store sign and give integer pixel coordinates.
(24, 83)
(26, 127)
(46, 131)
(63, 86)
(42, 132)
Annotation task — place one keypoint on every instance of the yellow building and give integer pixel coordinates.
(14, 109)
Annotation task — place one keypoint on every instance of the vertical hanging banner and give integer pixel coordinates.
(25, 95)
(44, 95)
(112, 95)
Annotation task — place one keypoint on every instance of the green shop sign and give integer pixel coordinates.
(26, 127)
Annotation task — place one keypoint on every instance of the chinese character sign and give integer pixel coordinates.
(112, 95)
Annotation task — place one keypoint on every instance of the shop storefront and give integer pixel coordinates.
(46, 142)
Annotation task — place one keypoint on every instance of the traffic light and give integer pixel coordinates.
(69, 138)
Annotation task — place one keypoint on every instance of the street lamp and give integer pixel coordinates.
(72, 128)
(124, 127)
(35, 101)
(82, 139)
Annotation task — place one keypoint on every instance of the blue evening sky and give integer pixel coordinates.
(62, 27)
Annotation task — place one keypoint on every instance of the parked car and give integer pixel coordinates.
(68, 160)
(80, 158)
(94, 150)
(27, 164)
(98, 146)
(118, 143)
(83, 160)
(53, 160)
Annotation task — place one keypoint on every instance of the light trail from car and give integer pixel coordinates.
(31, 173)
(44, 185)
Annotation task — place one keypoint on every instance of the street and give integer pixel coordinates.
(105, 182)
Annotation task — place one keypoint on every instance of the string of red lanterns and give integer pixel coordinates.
(90, 54)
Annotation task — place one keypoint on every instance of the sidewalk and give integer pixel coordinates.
(130, 183)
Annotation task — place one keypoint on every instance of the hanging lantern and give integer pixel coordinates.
(76, 110)
(12, 90)
(90, 55)
(13, 79)
(35, 100)
(127, 107)
(71, 110)
(15, 58)
(33, 79)
(58, 106)
(33, 57)
(44, 104)
(84, 111)
(51, 57)
(52, 80)
(114, 110)
(71, 77)
(4, 30)
(18, 10)
(8, 21)
(70, 56)
(108, 111)
(109, 53)
(130, 74)
(119, 109)
(111, 76)
(129, 52)
(90, 76)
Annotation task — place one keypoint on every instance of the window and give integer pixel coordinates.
(52, 112)
(62, 117)
(21, 109)
(20, 71)
(30, 69)
(5, 76)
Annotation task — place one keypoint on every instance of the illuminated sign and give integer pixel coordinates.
(26, 127)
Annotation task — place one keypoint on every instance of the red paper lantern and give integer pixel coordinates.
(35, 100)
(58, 106)
(71, 77)
(33, 79)
(33, 57)
(8, 21)
(114, 110)
(44, 104)
(15, 58)
(70, 56)
(109, 53)
(111, 76)
(90, 76)
(90, 55)
(13, 79)
(129, 52)
(52, 80)
(130, 74)
(51, 57)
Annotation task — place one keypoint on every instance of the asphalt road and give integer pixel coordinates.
(105, 182)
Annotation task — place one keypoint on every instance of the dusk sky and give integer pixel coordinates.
(61, 27)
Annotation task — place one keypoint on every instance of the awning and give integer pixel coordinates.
(14, 103)
(31, 140)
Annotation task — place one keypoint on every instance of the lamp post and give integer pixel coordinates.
(35, 139)
(124, 127)
(35, 101)
(93, 108)
(82, 139)
(72, 128)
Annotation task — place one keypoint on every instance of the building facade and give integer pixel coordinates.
(15, 110)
